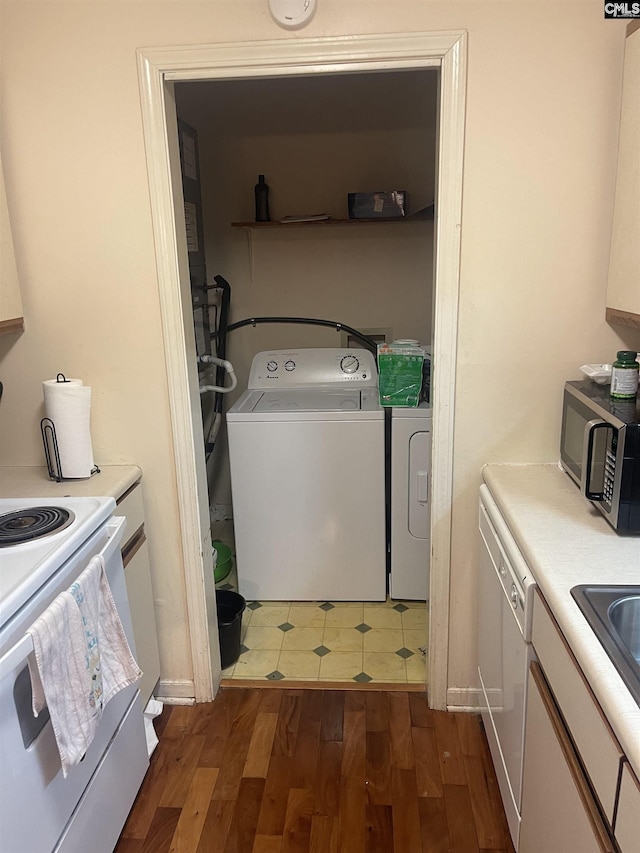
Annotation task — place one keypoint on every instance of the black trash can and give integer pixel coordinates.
(230, 606)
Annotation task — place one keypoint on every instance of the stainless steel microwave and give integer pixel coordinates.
(600, 449)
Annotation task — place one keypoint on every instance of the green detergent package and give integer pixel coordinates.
(400, 374)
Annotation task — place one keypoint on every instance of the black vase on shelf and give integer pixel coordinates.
(262, 200)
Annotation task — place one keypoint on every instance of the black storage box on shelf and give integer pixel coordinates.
(230, 606)
(390, 204)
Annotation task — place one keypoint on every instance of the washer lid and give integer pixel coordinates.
(308, 401)
(285, 405)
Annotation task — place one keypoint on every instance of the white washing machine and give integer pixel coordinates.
(306, 449)
(410, 502)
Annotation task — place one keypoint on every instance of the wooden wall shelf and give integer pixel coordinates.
(426, 214)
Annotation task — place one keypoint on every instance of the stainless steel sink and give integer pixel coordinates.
(624, 616)
(614, 615)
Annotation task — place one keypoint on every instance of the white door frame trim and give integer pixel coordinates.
(157, 68)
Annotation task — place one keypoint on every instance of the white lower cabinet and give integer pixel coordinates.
(594, 740)
(559, 813)
(579, 793)
(627, 827)
(137, 573)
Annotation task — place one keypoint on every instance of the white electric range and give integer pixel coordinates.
(36, 537)
(45, 544)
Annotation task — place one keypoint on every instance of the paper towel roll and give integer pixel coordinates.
(68, 405)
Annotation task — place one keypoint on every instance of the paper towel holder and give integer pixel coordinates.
(51, 452)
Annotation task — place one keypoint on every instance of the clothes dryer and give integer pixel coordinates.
(410, 541)
(306, 450)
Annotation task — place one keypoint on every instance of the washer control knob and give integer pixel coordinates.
(271, 366)
(349, 364)
(290, 364)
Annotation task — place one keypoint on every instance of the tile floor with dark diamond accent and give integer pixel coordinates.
(361, 642)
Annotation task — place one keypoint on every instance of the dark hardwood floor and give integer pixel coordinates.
(317, 771)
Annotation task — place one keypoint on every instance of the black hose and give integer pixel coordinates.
(221, 335)
(367, 342)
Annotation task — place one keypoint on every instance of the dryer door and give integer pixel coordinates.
(419, 471)
(410, 507)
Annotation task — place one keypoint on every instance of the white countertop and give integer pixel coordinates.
(566, 542)
(33, 482)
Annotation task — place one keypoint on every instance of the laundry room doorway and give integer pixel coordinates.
(441, 55)
(320, 535)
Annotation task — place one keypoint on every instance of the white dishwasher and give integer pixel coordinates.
(505, 606)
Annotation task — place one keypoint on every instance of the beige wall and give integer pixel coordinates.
(541, 136)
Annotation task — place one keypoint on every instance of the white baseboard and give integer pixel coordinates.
(464, 699)
(176, 692)
(182, 693)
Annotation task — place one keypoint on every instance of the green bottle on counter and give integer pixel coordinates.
(624, 375)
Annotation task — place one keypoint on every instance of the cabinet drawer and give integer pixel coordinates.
(596, 743)
(131, 507)
(627, 830)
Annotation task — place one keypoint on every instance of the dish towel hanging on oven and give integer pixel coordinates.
(81, 660)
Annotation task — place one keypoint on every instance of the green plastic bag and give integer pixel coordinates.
(400, 374)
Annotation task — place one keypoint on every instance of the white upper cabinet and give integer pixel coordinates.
(10, 301)
(623, 286)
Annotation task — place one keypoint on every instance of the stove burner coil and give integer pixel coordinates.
(25, 525)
